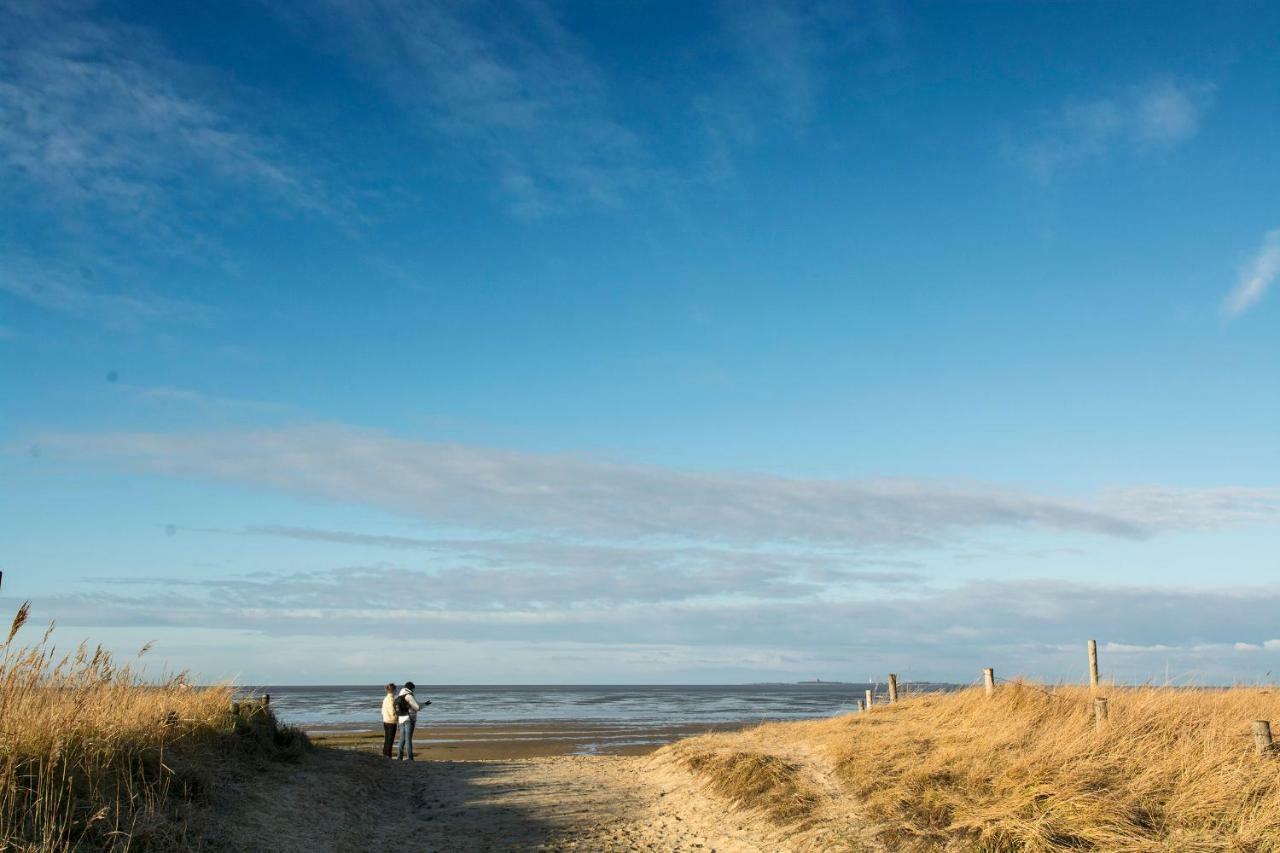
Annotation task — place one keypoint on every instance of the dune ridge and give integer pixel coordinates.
(1023, 770)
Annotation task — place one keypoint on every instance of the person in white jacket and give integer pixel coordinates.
(389, 720)
(407, 712)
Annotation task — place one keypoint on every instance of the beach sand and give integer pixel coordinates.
(345, 800)
(503, 798)
(522, 740)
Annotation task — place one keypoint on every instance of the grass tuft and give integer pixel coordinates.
(750, 779)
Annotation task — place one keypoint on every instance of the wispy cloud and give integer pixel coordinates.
(1154, 115)
(513, 586)
(509, 490)
(782, 46)
(82, 293)
(777, 58)
(1255, 280)
(100, 115)
(595, 568)
(200, 400)
(505, 84)
(114, 140)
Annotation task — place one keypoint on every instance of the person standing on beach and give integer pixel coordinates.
(407, 710)
(389, 719)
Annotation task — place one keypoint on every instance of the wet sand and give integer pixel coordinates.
(522, 740)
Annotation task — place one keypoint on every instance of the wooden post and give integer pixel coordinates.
(870, 696)
(1099, 713)
(989, 680)
(235, 709)
(266, 699)
(1262, 737)
(893, 688)
(1093, 665)
(860, 705)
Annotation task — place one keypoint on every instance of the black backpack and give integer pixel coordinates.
(402, 705)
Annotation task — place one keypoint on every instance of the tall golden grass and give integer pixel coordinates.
(1025, 770)
(93, 757)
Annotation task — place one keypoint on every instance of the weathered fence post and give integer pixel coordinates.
(870, 697)
(893, 688)
(1093, 664)
(860, 705)
(1099, 713)
(235, 709)
(1262, 737)
(989, 680)
(266, 699)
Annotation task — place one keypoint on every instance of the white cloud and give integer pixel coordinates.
(1166, 113)
(1256, 278)
(1156, 114)
(1133, 649)
(1162, 508)
(511, 491)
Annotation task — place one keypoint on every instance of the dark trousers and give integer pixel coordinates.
(388, 738)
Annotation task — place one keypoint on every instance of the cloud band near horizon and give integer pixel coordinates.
(512, 491)
(1033, 627)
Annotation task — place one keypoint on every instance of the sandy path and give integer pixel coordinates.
(350, 801)
(838, 822)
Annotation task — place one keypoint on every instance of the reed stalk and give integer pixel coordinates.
(95, 757)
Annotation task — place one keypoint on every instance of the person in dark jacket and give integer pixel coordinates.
(407, 712)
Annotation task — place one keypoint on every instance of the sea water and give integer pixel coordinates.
(650, 705)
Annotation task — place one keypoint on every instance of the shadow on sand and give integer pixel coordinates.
(342, 800)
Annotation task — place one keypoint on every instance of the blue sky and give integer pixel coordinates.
(638, 342)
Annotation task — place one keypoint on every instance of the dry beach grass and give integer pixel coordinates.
(93, 758)
(1024, 770)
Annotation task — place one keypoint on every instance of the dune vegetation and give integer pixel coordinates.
(1024, 770)
(95, 757)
